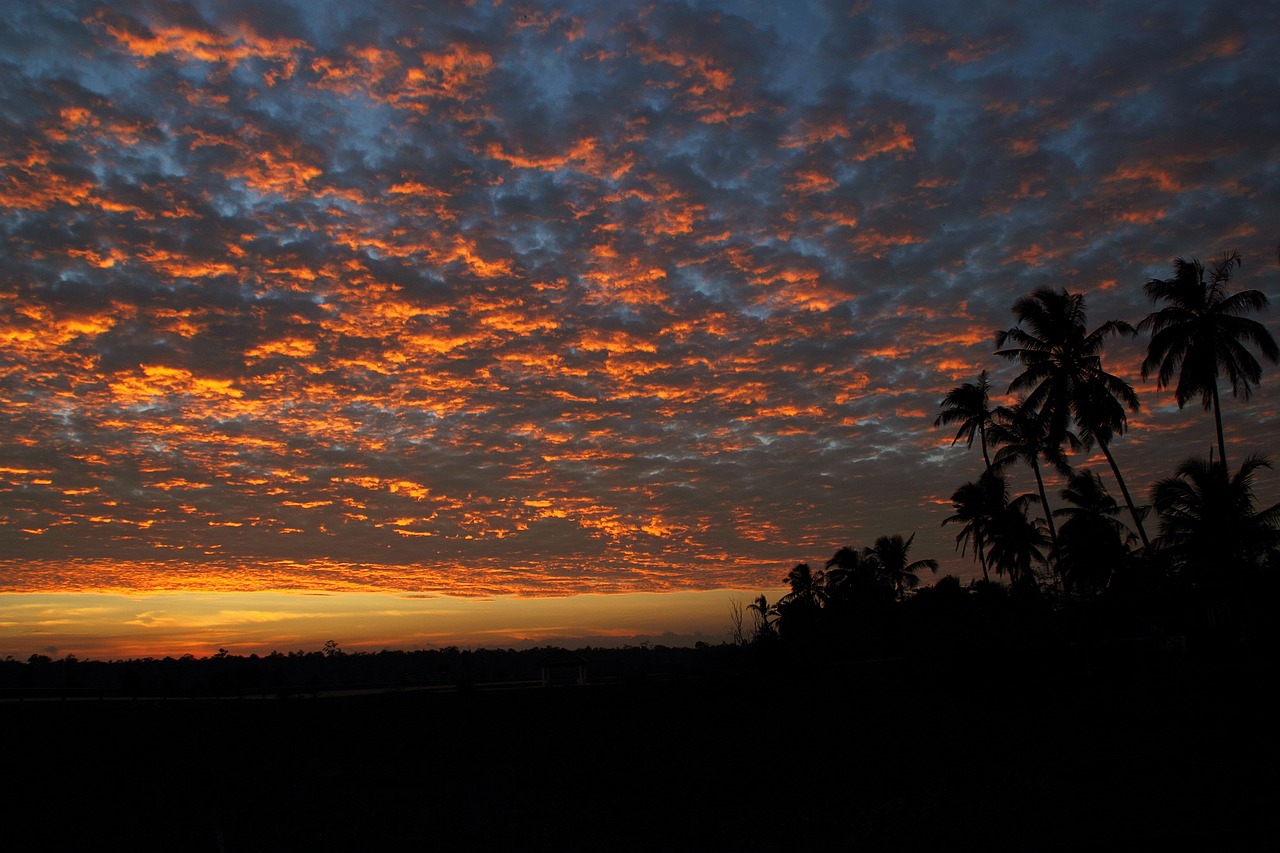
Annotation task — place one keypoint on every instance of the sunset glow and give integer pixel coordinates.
(485, 323)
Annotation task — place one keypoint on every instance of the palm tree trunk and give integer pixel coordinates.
(1217, 420)
(982, 437)
(1048, 517)
(1124, 490)
(982, 557)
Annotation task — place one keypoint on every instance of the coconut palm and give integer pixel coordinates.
(766, 615)
(969, 405)
(847, 561)
(1023, 436)
(890, 556)
(1016, 542)
(806, 586)
(1093, 541)
(846, 572)
(1062, 375)
(800, 610)
(1210, 523)
(1202, 332)
(976, 503)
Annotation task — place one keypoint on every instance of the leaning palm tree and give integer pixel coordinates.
(1210, 523)
(969, 405)
(1202, 332)
(1063, 378)
(1023, 436)
(976, 504)
(890, 556)
(1093, 541)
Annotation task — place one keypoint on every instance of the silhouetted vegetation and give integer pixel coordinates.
(1078, 571)
(1212, 535)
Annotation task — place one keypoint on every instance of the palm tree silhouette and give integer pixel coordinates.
(1202, 332)
(890, 556)
(969, 405)
(1093, 542)
(976, 504)
(1016, 542)
(806, 587)
(1210, 523)
(1023, 436)
(766, 614)
(845, 572)
(1063, 376)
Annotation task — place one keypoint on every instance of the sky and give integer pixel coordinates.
(506, 301)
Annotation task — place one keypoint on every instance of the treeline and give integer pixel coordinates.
(332, 669)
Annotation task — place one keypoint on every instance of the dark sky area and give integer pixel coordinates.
(563, 297)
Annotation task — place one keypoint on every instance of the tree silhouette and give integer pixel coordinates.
(969, 405)
(1016, 542)
(890, 556)
(843, 566)
(1093, 541)
(1063, 378)
(800, 610)
(1202, 332)
(856, 594)
(976, 504)
(765, 615)
(806, 586)
(1210, 523)
(1023, 436)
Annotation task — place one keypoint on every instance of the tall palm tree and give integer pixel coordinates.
(1210, 523)
(1023, 436)
(1202, 332)
(890, 555)
(976, 504)
(969, 405)
(1063, 378)
(1093, 541)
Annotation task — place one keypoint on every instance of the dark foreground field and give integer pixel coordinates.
(1137, 751)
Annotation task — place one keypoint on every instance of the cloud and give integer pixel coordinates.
(492, 298)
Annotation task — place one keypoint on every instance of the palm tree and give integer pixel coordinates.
(765, 614)
(1016, 542)
(890, 556)
(1210, 524)
(847, 561)
(1201, 332)
(1093, 542)
(976, 503)
(847, 571)
(806, 586)
(1063, 377)
(800, 610)
(1023, 436)
(969, 405)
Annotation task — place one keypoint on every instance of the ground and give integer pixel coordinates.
(1083, 751)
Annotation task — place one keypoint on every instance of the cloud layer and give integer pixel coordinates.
(554, 298)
